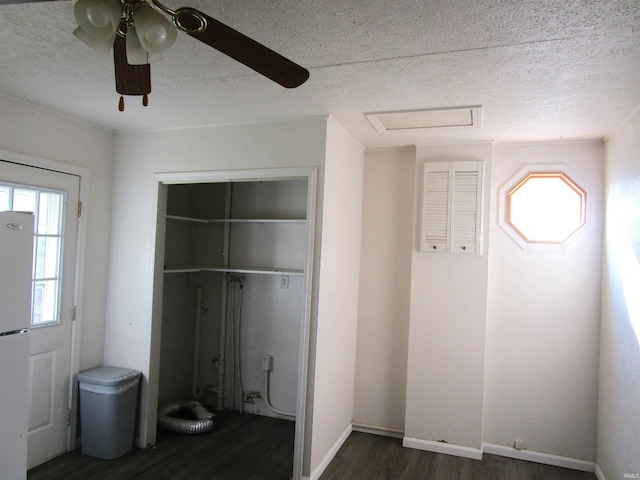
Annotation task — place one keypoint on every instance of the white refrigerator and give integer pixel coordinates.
(16, 259)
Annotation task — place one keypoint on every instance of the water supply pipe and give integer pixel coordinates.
(232, 342)
(196, 392)
(221, 363)
(267, 361)
(240, 281)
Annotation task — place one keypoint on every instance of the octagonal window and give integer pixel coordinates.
(546, 207)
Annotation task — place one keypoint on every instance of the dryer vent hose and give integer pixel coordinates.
(188, 417)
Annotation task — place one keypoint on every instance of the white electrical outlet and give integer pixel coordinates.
(267, 363)
(284, 281)
(519, 445)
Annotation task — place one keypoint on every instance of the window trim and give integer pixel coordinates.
(572, 179)
(539, 175)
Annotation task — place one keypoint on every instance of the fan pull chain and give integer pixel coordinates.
(145, 102)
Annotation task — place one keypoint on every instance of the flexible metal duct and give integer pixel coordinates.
(203, 420)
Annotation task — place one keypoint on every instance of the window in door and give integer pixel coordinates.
(47, 207)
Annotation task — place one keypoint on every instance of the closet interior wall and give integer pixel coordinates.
(243, 245)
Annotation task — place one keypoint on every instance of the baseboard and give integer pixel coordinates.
(375, 430)
(539, 457)
(319, 470)
(441, 447)
(458, 451)
(599, 473)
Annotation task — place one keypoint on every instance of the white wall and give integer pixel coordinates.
(445, 367)
(28, 129)
(130, 339)
(385, 289)
(488, 359)
(271, 321)
(271, 316)
(335, 357)
(178, 330)
(619, 393)
(543, 319)
(190, 244)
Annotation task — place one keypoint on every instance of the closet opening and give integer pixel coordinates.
(232, 313)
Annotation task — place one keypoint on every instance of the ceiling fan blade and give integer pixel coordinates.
(130, 79)
(242, 48)
(12, 2)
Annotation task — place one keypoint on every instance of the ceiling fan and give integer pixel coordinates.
(140, 30)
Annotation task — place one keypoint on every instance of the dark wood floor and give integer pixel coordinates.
(251, 447)
(372, 457)
(241, 447)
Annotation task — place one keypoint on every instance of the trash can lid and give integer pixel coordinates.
(108, 375)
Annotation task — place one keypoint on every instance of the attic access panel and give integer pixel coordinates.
(451, 117)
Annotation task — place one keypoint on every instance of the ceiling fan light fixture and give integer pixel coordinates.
(98, 18)
(155, 32)
(100, 45)
(136, 55)
(140, 30)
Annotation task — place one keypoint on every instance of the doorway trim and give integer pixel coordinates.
(78, 291)
(223, 176)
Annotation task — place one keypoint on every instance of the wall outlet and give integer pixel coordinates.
(284, 281)
(519, 445)
(267, 363)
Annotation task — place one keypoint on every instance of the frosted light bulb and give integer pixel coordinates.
(97, 16)
(98, 21)
(156, 34)
(155, 31)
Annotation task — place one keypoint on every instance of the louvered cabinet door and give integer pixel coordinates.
(435, 207)
(466, 204)
(451, 207)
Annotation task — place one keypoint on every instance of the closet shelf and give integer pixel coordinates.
(258, 270)
(257, 220)
(235, 220)
(186, 219)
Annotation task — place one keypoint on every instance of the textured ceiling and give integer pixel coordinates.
(542, 70)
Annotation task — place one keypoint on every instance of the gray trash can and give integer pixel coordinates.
(108, 401)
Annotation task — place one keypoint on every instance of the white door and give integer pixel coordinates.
(53, 198)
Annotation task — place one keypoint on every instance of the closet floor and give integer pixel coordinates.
(241, 446)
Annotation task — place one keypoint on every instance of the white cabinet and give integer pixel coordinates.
(451, 207)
